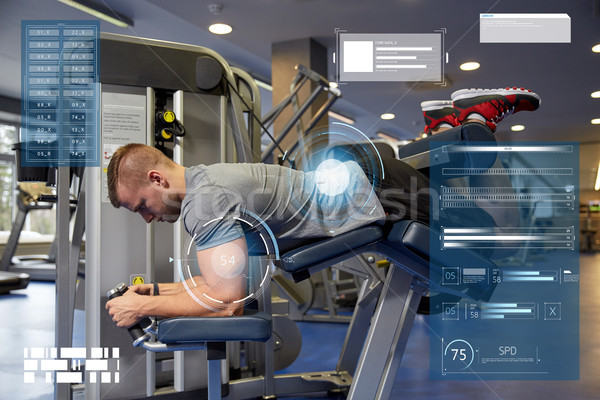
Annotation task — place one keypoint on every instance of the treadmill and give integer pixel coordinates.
(10, 279)
(13, 281)
(38, 267)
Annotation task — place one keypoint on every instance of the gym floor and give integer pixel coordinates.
(28, 321)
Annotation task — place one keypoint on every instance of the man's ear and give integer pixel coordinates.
(156, 177)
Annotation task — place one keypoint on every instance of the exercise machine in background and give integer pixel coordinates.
(30, 198)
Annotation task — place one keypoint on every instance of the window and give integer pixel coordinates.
(38, 221)
(7, 176)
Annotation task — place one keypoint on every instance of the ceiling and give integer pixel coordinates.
(563, 74)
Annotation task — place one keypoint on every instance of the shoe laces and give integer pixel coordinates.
(503, 110)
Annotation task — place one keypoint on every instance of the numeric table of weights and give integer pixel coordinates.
(60, 93)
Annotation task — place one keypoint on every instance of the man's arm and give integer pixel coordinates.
(222, 282)
(166, 289)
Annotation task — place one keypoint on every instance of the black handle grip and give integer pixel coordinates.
(136, 331)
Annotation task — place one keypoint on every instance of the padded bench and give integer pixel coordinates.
(406, 245)
(252, 326)
(210, 334)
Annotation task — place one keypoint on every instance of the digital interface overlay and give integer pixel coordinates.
(524, 28)
(507, 239)
(408, 57)
(60, 63)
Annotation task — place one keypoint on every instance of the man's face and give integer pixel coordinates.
(151, 201)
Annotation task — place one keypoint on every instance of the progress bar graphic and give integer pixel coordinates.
(508, 311)
(513, 149)
(482, 238)
(507, 171)
(507, 197)
(530, 276)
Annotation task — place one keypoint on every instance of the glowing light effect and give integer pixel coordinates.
(517, 128)
(596, 48)
(596, 121)
(332, 177)
(220, 29)
(101, 13)
(470, 66)
(341, 117)
(596, 95)
(388, 116)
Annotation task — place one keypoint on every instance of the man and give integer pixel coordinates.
(294, 204)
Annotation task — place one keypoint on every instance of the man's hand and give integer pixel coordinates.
(124, 309)
(144, 289)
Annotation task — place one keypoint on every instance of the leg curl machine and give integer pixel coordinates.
(384, 314)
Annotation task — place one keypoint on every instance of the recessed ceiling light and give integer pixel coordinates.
(596, 121)
(596, 94)
(333, 84)
(388, 116)
(469, 66)
(517, 128)
(220, 29)
(596, 48)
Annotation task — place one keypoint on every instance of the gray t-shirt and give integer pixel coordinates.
(294, 204)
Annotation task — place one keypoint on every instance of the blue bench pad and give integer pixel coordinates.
(252, 326)
(315, 253)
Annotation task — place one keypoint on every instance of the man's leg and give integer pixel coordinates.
(404, 192)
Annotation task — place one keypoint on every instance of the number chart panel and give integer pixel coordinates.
(59, 88)
(505, 295)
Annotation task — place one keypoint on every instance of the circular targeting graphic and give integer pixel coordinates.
(458, 356)
(231, 265)
(336, 156)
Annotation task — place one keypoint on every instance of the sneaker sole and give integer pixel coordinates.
(435, 105)
(470, 93)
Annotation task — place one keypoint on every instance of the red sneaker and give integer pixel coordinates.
(436, 112)
(494, 104)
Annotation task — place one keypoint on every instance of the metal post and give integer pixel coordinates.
(63, 327)
(388, 334)
(359, 325)
(179, 374)
(92, 270)
(223, 129)
(150, 356)
(243, 147)
(269, 357)
(292, 122)
(77, 239)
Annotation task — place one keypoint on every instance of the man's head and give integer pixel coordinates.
(145, 181)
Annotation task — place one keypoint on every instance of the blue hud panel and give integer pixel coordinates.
(60, 63)
(505, 263)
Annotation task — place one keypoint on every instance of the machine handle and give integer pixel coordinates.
(136, 331)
